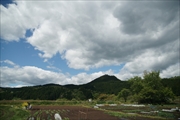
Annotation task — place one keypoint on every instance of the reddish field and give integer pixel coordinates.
(70, 113)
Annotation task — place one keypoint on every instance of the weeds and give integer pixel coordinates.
(66, 118)
(166, 115)
(119, 114)
(13, 113)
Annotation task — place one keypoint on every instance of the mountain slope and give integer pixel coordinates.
(107, 84)
(103, 85)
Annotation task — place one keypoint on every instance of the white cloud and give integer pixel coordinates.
(83, 78)
(31, 75)
(16, 30)
(173, 70)
(9, 62)
(53, 68)
(95, 34)
(15, 76)
(63, 30)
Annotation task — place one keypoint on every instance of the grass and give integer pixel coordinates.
(166, 115)
(129, 112)
(13, 113)
(125, 115)
(66, 118)
(120, 114)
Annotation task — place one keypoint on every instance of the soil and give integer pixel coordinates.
(71, 112)
(74, 113)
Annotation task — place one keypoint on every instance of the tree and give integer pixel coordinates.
(153, 80)
(153, 90)
(103, 97)
(150, 89)
(172, 83)
(124, 93)
(136, 84)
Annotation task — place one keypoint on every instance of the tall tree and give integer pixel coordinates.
(150, 89)
(136, 84)
(124, 93)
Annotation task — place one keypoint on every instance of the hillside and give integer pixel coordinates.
(103, 85)
(107, 84)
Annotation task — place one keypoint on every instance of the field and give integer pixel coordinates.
(70, 113)
(45, 110)
(145, 112)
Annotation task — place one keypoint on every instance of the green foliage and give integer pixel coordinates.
(124, 93)
(136, 84)
(107, 84)
(103, 97)
(142, 89)
(166, 115)
(130, 112)
(120, 114)
(172, 83)
(13, 113)
(66, 118)
(106, 97)
(153, 80)
(102, 85)
(150, 89)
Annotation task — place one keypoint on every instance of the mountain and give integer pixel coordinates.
(42, 92)
(105, 84)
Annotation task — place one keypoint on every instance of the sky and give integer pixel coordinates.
(74, 42)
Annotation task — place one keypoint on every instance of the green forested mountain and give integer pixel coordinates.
(103, 85)
(46, 92)
(107, 84)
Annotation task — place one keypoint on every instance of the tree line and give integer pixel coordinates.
(147, 89)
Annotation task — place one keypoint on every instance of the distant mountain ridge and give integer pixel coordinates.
(105, 84)
(105, 78)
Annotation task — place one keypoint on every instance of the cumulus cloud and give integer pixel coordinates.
(144, 35)
(83, 78)
(31, 75)
(173, 70)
